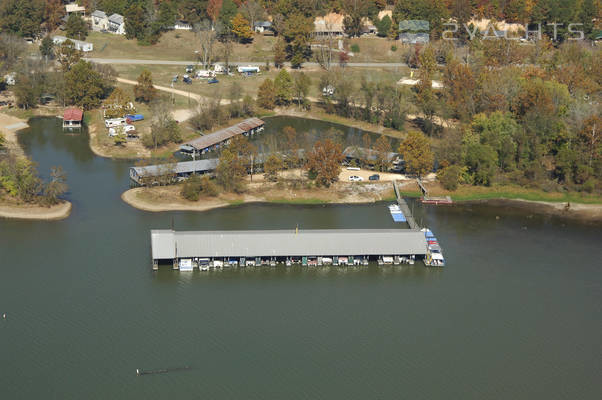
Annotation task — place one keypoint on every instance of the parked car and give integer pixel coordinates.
(213, 80)
(134, 117)
(186, 79)
(190, 68)
(353, 169)
(175, 78)
(375, 177)
(355, 178)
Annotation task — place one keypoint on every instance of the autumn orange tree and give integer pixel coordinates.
(241, 29)
(324, 162)
(417, 153)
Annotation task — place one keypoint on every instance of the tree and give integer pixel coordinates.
(302, 83)
(213, 9)
(83, 85)
(56, 187)
(164, 129)
(279, 53)
(53, 14)
(230, 171)
(23, 18)
(2, 141)
(206, 37)
(500, 131)
(68, 55)
(383, 149)
(241, 29)
(284, 86)
(117, 104)
(144, 90)
(76, 27)
(252, 10)
(449, 177)
(227, 12)
(383, 26)
(356, 11)
(191, 190)
(425, 96)
(272, 166)
(417, 154)
(266, 95)
(297, 33)
(324, 162)
(26, 91)
(47, 48)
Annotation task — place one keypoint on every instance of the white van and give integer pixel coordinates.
(204, 74)
(112, 122)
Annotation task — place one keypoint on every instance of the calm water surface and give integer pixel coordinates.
(516, 315)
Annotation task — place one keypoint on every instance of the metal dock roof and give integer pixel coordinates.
(168, 244)
(222, 135)
(184, 167)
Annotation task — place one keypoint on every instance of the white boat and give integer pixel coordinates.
(326, 260)
(185, 264)
(218, 264)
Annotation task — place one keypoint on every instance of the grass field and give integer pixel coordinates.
(472, 193)
(181, 46)
(163, 74)
(175, 45)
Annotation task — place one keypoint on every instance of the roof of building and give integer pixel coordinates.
(116, 19)
(61, 39)
(331, 22)
(184, 167)
(168, 244)
(74, 7)
(222, 135)
(73, 114)
(265, 24)
(99, 14)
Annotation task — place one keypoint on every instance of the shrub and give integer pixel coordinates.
(449, 177)
(208, 187)
(355, 48)
(191, 190)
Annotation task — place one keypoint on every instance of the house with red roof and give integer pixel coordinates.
(72, 118)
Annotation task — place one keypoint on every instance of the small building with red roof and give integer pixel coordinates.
(72, 118)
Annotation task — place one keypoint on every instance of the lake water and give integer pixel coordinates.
(517, 314)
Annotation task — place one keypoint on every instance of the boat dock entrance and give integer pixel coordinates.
(216, 249)
(405, 209)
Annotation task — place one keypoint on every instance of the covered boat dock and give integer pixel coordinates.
(214, 249)
(216, 139)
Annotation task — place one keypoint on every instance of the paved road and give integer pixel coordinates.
(236, 63)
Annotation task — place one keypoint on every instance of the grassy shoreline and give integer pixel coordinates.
(482, 193)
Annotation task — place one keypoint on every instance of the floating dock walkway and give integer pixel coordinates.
(403, 206)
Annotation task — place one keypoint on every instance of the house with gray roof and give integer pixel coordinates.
(116, 24)
(100, 21)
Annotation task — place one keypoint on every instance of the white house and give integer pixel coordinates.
(79, 45)
(74, 8)
(116, 24)
(182, 26)
(100, 21)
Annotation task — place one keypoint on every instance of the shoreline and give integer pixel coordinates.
(581, 211)
(26, 211)
(35, 212)
(167, 198)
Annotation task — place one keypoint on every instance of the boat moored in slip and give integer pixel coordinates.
(434, 255)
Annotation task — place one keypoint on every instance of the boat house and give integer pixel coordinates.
(215, 140)
(306, 247)
(155, 174)
(72, 118)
